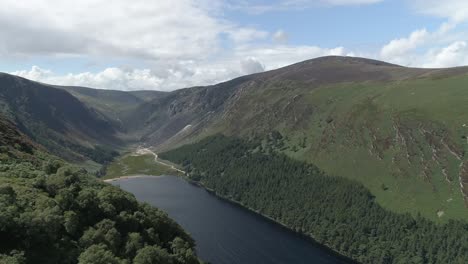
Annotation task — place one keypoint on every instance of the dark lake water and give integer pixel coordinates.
(225, 232)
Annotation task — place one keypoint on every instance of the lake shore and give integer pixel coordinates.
(271, 219)
(129, 177)
(229, 200)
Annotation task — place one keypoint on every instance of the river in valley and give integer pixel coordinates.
(225, 233)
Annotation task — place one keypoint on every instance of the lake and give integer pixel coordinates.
(225, 233)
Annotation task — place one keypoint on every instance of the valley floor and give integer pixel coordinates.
(142, 161)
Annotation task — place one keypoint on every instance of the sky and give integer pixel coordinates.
(171, 44)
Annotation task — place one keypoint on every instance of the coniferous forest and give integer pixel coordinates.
(336, 212)
(53, 212)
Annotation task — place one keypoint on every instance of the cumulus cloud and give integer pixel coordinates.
(455, 10)
(185, 43)
(145, 29)
(165, 76)
(427, 49)
(398, 47)
(251, 65)
(177, 43)
(279, 56)
(453, 55)
(280, 36)
(112, 78)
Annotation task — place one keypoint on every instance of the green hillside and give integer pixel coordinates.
(115, 105)
(336, 212)
(57, 120)
(53, 212)
(399, 131)
(408, 136)
(387, 142)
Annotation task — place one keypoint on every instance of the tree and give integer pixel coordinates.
(98, 254)
(151, 255)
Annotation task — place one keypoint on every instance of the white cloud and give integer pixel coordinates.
(279, 56)
(177, 43)
(428, 49)
(180, 74)
(245, 35)
(455, 10)
(281, 5)
(399, 47)
(183, 43)
(455, 54)
(163, 29)
(251, 65)
(280, 36)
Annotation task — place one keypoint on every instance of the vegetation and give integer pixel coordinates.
(57, 120)
(401, 132)
(405, 134)
(52, 212)
(137, 165)
(336, 212)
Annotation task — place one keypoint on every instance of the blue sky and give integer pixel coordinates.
(171, 44)
(352, 26)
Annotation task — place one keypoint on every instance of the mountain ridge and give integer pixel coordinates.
(378, 123)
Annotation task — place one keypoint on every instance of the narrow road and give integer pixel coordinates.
(143, 151)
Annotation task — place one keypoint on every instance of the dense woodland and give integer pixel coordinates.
(52, 212)
(336, 212)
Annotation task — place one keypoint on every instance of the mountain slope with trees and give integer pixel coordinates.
(401, 132)
(336, 212)
(54, 212)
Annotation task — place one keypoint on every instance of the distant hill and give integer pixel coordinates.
(56, 119)
(273, 141)
(112, 103)
(402, 132)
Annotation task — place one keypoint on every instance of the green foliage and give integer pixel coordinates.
(137, 165)
(152, 254)
(98, 254)
(52, 212)
(336, 212)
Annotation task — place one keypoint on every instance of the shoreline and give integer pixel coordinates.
(309, 237)
(232, 201)
(128, 177)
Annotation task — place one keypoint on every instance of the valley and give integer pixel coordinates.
(374, 152)
(140, 162)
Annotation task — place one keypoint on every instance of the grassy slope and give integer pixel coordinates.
(403, 140)
(401, 135)
(55, 119)
(137, 165)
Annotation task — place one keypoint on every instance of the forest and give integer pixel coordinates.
(53, 212)
(336, 212)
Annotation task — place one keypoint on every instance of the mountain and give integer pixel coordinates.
(57, 120)
(53, 212)
(368, 158)
(399, 131)
(112, 103)
(336, 212)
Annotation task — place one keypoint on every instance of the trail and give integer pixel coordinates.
(143, 151)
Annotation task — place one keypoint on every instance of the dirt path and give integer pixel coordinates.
(144, 151)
